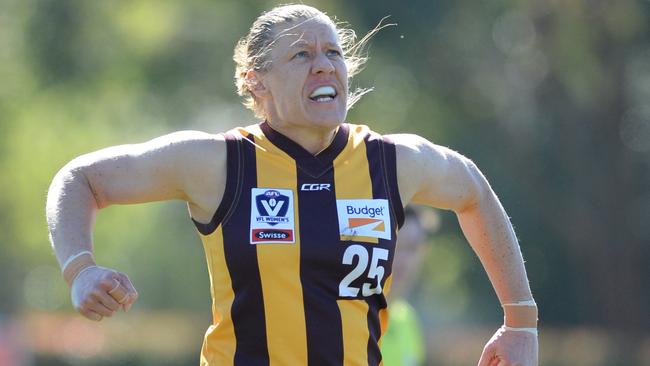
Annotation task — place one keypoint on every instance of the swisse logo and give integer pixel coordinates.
(363, 218)
(276, 235)
(365, 211)
(315, 187)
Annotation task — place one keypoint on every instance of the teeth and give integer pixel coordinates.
(327, 91)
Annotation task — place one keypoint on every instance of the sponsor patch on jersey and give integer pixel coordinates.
(364, 218)
(315, 187)
(271, 216)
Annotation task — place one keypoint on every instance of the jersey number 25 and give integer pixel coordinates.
(375, 273)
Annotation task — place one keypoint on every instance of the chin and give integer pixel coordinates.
(328, 119)
(327, 122)
(326, 114)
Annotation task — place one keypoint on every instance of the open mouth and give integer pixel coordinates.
(323, 94)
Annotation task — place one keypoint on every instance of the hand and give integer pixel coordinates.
(510, 348)
(98, 292)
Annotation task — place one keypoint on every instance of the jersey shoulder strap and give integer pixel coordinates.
(389, 163)
(232, 191)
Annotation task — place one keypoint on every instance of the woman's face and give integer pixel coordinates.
(306, 84)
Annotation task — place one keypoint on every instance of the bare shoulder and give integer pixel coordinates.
(197, 156)
(200, 165)
(415, 147)
(185, 165)
(176, 144)
(434, 175)
(189, 142)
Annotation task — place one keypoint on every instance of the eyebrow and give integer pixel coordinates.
(300, 43)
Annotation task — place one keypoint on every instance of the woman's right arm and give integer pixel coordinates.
(187, 165)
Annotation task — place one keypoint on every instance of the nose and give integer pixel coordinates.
(322, 64)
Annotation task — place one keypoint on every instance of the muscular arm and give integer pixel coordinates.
(185, 165)
(439, 177)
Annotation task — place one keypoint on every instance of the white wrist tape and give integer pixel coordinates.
(520, 315)
(521, 303)
(77, 264)
(527, 330)
(73, 257)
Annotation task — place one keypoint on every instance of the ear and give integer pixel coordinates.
(256, 84)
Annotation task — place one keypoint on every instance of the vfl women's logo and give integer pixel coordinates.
(272, 206)
(271, 216)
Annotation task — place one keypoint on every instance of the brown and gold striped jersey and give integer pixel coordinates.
(300, 249)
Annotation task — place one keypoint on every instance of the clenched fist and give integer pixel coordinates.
(98, 292)
(510, 348)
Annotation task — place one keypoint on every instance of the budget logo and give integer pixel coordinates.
(363, 218)
(272, 218)
(372, 224)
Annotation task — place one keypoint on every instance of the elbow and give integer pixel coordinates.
(478, 188)
(72, 181)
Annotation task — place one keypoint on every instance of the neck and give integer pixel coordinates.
(312, 139)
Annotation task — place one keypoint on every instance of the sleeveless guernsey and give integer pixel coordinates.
(299, 251)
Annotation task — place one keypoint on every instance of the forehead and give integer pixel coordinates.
(303, 32)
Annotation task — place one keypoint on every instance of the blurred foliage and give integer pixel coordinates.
(550, 98)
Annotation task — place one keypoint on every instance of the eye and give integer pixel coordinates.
(301, 54)
(333, 53)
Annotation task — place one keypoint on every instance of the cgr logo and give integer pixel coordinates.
(315, 187)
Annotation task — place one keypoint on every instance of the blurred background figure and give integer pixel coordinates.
(12, 349)
(404, 343)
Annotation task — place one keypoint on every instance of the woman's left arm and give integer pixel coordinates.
(439, 177)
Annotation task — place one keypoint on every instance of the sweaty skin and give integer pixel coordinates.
(191, 166)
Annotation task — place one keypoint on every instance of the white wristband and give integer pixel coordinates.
(527, 330)
(73, 257)
(521, 303)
